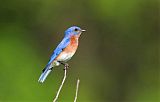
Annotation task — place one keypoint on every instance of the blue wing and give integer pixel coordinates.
(56, 52)
(59, 48)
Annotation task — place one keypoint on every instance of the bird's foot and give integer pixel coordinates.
(66, 66)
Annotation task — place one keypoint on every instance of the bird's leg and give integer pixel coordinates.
(66, 65)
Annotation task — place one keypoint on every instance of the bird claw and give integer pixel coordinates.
(66, 66)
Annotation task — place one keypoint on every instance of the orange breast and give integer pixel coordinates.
(69, 50)
(72, 47)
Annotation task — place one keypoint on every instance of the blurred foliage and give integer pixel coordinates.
(117, 60)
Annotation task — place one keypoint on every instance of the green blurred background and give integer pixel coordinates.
(117, 60)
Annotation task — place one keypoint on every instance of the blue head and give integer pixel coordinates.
(74, 30)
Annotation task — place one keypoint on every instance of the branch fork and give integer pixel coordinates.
(62, 83)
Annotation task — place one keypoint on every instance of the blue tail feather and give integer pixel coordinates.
(45, 73)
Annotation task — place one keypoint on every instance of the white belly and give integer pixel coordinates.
(65, 56)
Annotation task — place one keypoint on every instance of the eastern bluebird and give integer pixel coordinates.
(64, 51)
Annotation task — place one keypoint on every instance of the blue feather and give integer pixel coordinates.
(64, 43)
(56, 52)
(59, 48)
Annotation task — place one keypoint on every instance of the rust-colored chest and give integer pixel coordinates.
(72, 47)
(70, 50)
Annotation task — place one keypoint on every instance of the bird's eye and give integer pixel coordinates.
(76, 29)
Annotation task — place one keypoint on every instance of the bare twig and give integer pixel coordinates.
(75, 98)
(64, 78)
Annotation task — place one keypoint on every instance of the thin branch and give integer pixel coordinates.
(77, 87)
(64, 78)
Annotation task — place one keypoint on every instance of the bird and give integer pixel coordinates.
(63, 52)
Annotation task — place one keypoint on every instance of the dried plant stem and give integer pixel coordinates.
(77, 87)
(64, 78)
